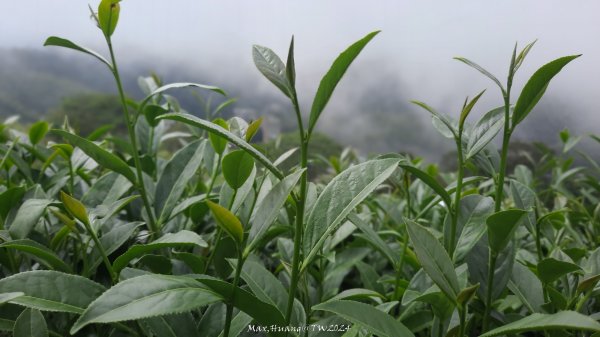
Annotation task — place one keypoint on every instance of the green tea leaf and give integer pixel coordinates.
(551, 269)
(179, 85)
(111, 241)
(146, 296)
(60, 42)
(271, 66)
(474, 210)
(218, 142)
(7, 297)
(75, 208)
(237, 166)
(9, 199)
(27, 217)
(100, 155)
(30, 323)
(466, 294)
(40, 253)
(429, 181)
(181, 239)
(484, 131)
(333, 76)
(524, 283)
(253, 129)
(268, 210)
(290, 68)
(467, 109)
(108, 16)
(521, 57)
(227, 221)
(178, 325)
(38, 131)
(434, 259)
(563, 320)
(536, 87)
(263, 313)
(481, 70)
(374, 238)
(339, 198)
(367, 316)
(215, 129)
(501, 226)
(177, 173)
(265, 285)
(151, 111)
(51, 290)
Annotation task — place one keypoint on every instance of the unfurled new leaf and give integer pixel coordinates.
(271, 66)
(467, 109)
(333, 76)
(481, 70)
(536, 86)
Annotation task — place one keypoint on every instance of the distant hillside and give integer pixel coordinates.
(373, 118)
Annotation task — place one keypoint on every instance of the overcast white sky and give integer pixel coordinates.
(416, 46)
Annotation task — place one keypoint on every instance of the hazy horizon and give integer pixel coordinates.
(410, 59)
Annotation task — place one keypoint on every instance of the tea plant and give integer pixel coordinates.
(102, 236)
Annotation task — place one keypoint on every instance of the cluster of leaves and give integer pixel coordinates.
(101, 236)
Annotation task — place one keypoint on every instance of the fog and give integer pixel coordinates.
(410, 59)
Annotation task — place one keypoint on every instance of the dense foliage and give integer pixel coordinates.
(102, 236)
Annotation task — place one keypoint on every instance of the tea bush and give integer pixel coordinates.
(102, 236)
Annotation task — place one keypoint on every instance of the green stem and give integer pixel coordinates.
(71, 178)
(504, 154)
(538, 241)
(100, 248)
(498, 205)
(462, 313)
(582, 301)
(488, 296)
(132, 138)
(457, 195)
(236, 280)
(299, 212)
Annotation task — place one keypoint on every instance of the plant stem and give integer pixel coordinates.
(504, 154)
(457, 194)
(132, 138)
(462, 313)
(304, 138)
(113, 275)
(490, 285)
(498, 206)
(236, 280)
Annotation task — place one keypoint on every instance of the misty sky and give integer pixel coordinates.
(413, 54)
